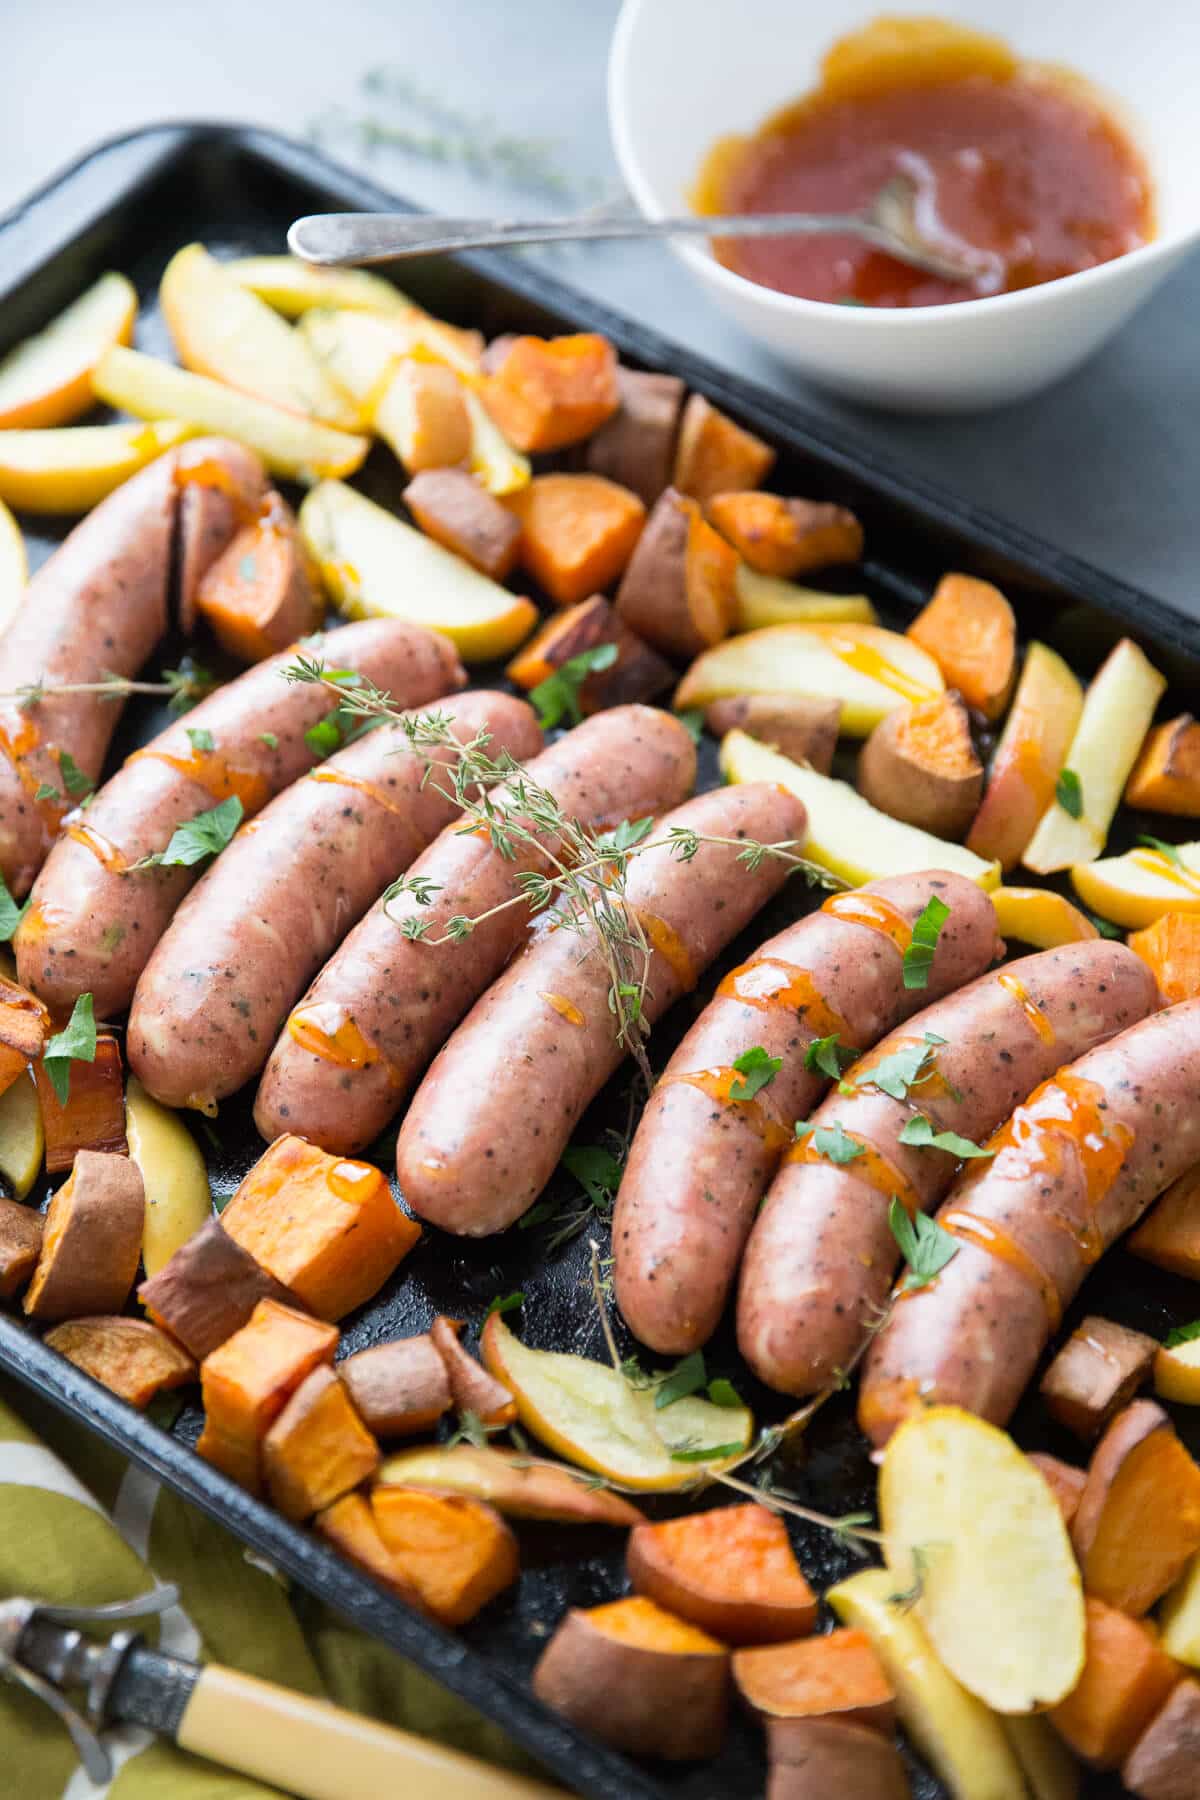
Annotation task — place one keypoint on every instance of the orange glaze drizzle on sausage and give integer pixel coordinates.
(103, 849)
(1155, 863)
(1033, 1012)
(16, 746)
(39, 923)
(364, 787)
(767, 982)
(664, 939)
(718, 1084)
(986, 1235)
(328, 1031)
(215, 774)
(871, 1167)
(931, 1082)
(566, 1008)
(873, 912)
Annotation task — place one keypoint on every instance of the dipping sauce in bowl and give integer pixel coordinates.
(1020, 159)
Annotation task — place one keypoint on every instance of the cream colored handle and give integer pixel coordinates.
(319, 1752)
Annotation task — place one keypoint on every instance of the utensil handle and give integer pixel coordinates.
(319, 1752)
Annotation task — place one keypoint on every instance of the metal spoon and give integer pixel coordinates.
(899, 220)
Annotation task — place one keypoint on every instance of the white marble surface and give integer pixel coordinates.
(1104, 466)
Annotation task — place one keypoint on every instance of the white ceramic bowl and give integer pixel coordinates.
(684, 72)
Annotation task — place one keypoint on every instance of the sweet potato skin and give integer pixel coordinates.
(261, 593)
(208, 1290)
(92, 1240)
(1126, 1679)
(638, 674)
(472, 1387)
(399, 1388)
(578, 532)
(969, 630)
(451, 507)
(715, 456)
(819, 1757)
(1166, 776)
(636, 447)
(802, 726)
(547, 393)
(731, 1571)
(520, 1487)
(1164, 1761)
(20, 1245)
(1065, 1483)
(918, 765)
(458, 1553)
(318, 1448)
(1138, 1520)
(1096, 1373)
(248, 1380)
(130, 1357)
(1169, 1235)
(678, 592)
(786, 537)
(834, 1676)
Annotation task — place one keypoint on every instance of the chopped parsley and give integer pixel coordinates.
(757, 1069)
(926, 1248)
(1068, 791)
(834, 1145)
(926, 931)
(919, 1132)
(557, 697)
(826, 1056)
(76, 1042)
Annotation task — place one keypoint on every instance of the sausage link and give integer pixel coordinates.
(495, 1112)
(821, 1257)
(274, 906)
(1075, 1167)
(701, 1161)
(398, 1000)
(94, 921)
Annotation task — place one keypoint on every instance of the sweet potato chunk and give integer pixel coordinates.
(1169, 1235)
(423, 416)
(1065, 1482)
(1138, 1519)
(208, 1290)
(715, 456)
(318, 1448)
(261, 593)
(1097, 1372)
(451, 507)
(94, 1115)
(636, 447)
(24, 1028)
(919, 765)
(803, 727)
(399, 1388)
(457, 1553)
(473, 1389)
(1164, 1762)
(638, 673)
(969, 630)
(1171, 947)
(247, 1381)
(827, 1756)
(679, 591)
(350, 1524)
(1126, 1678)
(92, 1240)
(836, 1676)
(546, 393)
(20, 1245)
(131, 1357)
(639, 1679)
(1166, 776)
(786, 537)
(324, 1226)
(731, 1571)
(577, 532)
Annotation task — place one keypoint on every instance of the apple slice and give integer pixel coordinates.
(14, 566)
(292, 286)
(178, 1198)
(47, 379)
(870, 670)
(223, 330)
(361, 336)
(375, 566)
(1136, 889)
(1032, 749)
(22, 1136)
(71, 469)
(597, 1419)
(846, 834)
(523, 1487)
(1040, 917)
(290, 445)
(1116, 716)
(764, 600)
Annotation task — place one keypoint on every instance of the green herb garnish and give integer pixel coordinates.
(1068, 791)
(926, 1248)
(558, 696)
(926, 932)
(76, 1042)
(758, 1070)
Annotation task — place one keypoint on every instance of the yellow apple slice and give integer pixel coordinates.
(178, 1199)
(47, 379)
(363, 336)
(870, 670)
(1136, 889)
(290, 445)
(22, 1139)
(356, 351)
(1033, 746)
(292, 287)
(492, 460)
(846, 834)
(962, 1740)
(14, 566)
(1050, 1770)
(590, 1414)
(1180, 1617)
(1117, 711)
(764, 600)
(223, 330)
(71, 469)
(374, 566)
(1038, 917)
(971, 1525)
(1177, 1373)
(524, 1487)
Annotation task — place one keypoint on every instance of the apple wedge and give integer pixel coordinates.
(870, 670)
(73, 468)
(292, 287)
(408, 332)
(764, 600)
(1032, 749)
(522, 1487)
(596, 1418)
(846, 834)
(355, 350)
(22, 1136)
(178, 1197)
(47, 379)
(1039, 917)
(14, 566)
(297, 448)
(1117, 711)
(223, 330)
(1136, 889)
(375, 566)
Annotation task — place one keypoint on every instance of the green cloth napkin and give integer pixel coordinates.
(80, 1525)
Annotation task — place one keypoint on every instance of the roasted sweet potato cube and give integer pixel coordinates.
(261, 593)
(1097, 1372)
(1126, 1678)
(472, 1388)
(94, 1115)
(350, 1524)
(1166, 776)
(730, 1570)
(679, 590)
(809, 1757)
(451, 507)
(248, 1380)
(318, 1448)
(92, 1241)
(399, 1388)
(1169, 1235)
(638, 673)
(208, 1290)
(636, 447)
(20, 1245)
(24, 1028)
(577, 532)
(129, 1356)
(1163, 1763)
(547, 393)
(715, 456)
(969, 630)
(1137, 1524)
(786, 537)
(835, 1676)
(803, 726)
(1171, 947)
(457, 1553)
(1065, 1482)
(324, 1226)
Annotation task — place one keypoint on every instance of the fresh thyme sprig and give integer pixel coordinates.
(182, 687)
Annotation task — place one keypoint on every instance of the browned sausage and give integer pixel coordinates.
(365, 1031)
(701, 1160)
(1074, 1167)
(496, 1110)
(95, 920)
(247, 940)
(820, 1260)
